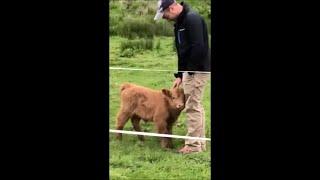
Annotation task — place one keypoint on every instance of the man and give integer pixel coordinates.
(191, 40)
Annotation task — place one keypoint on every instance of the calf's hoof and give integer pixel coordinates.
(141, 138)
(166, 145)
(119, 137)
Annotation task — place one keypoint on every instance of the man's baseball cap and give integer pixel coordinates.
(162, 5)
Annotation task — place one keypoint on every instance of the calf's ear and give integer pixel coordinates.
(166, 92)
(174, 86)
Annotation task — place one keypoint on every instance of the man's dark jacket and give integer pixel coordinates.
(191, 40)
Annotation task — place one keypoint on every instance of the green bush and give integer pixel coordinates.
(131, 27)
(148, 44)
(134, 19)
(112, 5)
(127, 53)
(163, 28)
(143, 44)
(112, 31)
(158, 45)
(130, 47)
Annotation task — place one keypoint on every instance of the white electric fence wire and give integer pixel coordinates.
(138, 69)
(158, 135)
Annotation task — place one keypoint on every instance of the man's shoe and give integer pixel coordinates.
(190, 149)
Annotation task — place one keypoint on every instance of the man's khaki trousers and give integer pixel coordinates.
(194, 86)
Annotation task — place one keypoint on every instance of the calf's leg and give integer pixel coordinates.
(169, 127)
(136, 126)
(162, 129)
(122, 119)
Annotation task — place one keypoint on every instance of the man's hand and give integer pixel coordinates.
(177, 82)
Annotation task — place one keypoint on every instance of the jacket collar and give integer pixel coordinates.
(183, 13)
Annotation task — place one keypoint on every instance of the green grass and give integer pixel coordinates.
(131, 159)
(132, 18)
(164, 58)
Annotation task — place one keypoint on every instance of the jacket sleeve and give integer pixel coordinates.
(196, 48)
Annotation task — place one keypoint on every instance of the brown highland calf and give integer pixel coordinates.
(162, 107)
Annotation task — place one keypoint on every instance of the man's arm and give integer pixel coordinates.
(195, 35)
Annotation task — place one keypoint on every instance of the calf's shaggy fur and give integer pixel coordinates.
(162, 107)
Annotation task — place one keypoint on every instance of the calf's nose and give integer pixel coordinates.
(179, 105)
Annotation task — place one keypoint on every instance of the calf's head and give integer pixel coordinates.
(175, 98)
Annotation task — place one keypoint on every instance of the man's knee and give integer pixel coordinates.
(193, 102)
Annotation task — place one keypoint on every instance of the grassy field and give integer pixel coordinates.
(130, 159)
(131, 30)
